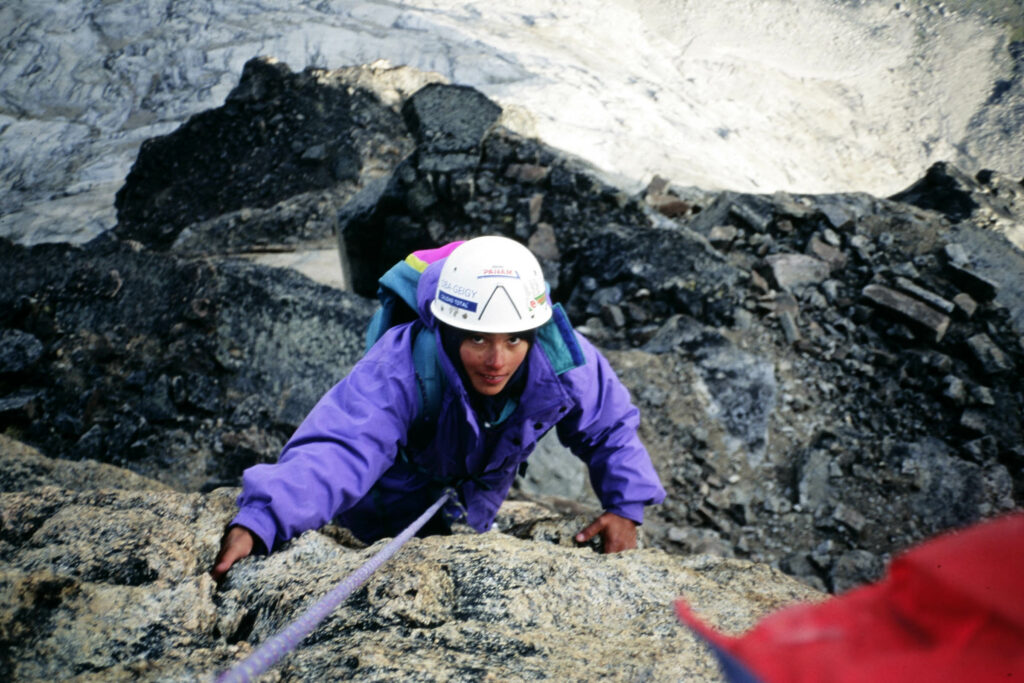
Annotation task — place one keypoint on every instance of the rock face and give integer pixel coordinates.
(279, 135)
(187, 371)
(823, 380)
(111, 584)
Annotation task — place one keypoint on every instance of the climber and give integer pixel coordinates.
(377, 449)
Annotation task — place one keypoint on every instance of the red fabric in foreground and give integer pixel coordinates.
(951, 609)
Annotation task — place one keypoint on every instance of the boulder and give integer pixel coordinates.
(278, 135)
(112, 584)
(988, 355)
(26, 469)
(791, 270)
(929, 297)
(19, 351)
(944, 188)
(909, 310)
(148, 357)
(973, 283)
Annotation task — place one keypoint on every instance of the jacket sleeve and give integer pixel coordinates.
(339, 451)
(601, 429)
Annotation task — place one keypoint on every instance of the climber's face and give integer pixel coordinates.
(490, 359)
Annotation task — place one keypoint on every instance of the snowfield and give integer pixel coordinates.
(751, 95)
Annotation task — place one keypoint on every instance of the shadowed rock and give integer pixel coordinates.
(278, 135)
(25, 469)
(908, 309)
(186, 371)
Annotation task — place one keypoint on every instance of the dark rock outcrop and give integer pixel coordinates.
(186, 371)
(279, 135)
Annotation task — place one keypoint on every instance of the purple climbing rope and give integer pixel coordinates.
(287, 640)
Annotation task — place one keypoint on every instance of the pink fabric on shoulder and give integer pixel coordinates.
(424, 257)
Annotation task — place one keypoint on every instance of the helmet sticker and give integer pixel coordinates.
(455, 301)
(498, 271)
(491, 297)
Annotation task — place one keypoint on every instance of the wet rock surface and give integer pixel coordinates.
(823, 380)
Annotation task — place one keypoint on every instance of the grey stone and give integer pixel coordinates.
(449, 118)
(742, 319)
(722, 236)
(828, 253)
(451, 162)
(658, 185)
(855, 568)
(861, 242)
(989, 356)
(983, 449)
(982, 395)
(837, 215)
(544, 244)
(19, 351)
(554, 471)
(821, 554)
(850, 517)
(977, 285)
(813, 488)
(535, 205)
(929, 297)
(791, 270)
(21, 401)
(613, 317)
(758, 281)
(956, 254)
(789, 326)
(637, 313)
(750, 216)
(955, 389)
(965, 305)
(316, 153)
(909, 310)
(604, 296)
(831, 237)
(531, 174)
(907, 269)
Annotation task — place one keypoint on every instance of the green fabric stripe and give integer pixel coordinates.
(559, 343)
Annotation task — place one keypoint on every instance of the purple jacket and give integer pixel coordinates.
(351, 458)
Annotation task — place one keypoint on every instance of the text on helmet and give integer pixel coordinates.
(456, 302)
(497, 271)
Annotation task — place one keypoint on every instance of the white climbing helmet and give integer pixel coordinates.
(491, 284)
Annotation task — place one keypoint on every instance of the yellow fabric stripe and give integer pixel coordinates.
(418, 264)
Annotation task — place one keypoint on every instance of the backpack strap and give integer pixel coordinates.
(397, 295)
(429, 377)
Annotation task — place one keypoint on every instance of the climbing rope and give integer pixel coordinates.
(287, 640)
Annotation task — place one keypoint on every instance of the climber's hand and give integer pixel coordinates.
(237, 543)
(618, 533)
